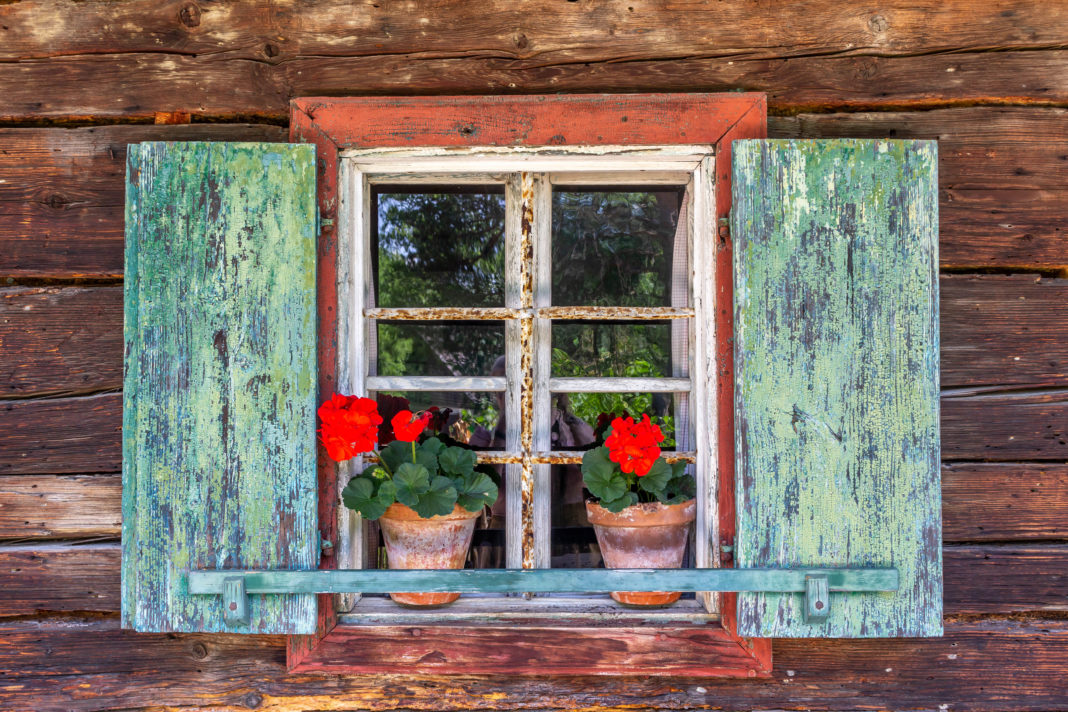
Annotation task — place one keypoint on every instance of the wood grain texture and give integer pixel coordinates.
(1006, 426)
(59, 578)
(220, 389)
(1006, 579)
(62, 193)
(1004, 501)
(140, 58)
(836, 377)
(60, 341)
(61, 435)
(1003, 331)
(60, 506)
(540, 32)
(987, 666)
(531, 650)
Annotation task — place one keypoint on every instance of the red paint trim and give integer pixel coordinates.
(335, 124)
(303, 130)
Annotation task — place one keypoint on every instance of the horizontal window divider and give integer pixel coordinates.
(614, 313)
(815, 583)
(555, 457)
(619, 385)
(436, 383)
(442, 313)
(569, 313)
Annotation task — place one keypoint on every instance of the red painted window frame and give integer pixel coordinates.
(337, 124)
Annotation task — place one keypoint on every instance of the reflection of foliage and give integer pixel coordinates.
(613, 248)
(441, 249)
(589, 406)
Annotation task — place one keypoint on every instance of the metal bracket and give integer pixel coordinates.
(235, 601)
(817, 599)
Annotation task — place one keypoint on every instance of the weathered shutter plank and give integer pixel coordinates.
(836, 357)
(219, 389)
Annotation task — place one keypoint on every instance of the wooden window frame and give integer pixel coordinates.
(568, 646)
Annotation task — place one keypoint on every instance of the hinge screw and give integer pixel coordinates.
(327, 547)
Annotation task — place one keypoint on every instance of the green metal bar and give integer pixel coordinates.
(544, 580)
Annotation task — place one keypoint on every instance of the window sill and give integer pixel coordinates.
(558, 648)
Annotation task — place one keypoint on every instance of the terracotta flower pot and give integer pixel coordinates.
(413, 542)
(643, 536)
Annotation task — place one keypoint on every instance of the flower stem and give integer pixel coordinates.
(413, 453)
(382, 462)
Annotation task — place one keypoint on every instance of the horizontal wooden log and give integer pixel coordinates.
(1001, 502)
(60, 341)
(1006, 427)
(61, 435)
(59, 578)
(80, 435)
(60, 506)
(214, 84)
(62, 197)
(1002, 331)
(1005, 579)
(91, 665)
(535, 33)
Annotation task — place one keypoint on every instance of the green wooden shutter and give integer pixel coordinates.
(220, 384)
(836, 377)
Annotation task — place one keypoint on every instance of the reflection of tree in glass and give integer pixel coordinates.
(441, 249)
(613, 248)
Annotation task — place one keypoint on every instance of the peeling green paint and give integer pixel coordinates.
(220, 383)
(836, 385)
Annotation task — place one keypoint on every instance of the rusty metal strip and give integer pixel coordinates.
(629, 313)
(443, 313)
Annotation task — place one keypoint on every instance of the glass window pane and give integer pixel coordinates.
(616, 349)
(616, 246)
(453, 348)
(575, 416)
(438, 246)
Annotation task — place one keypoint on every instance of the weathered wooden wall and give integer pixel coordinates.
(80, 80)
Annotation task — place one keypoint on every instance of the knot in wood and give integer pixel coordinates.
(190, 16)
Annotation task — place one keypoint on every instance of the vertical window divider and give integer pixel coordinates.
(353, 279)
(513, 299)
(541, 228)
(703, 389)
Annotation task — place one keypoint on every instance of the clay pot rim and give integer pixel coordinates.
(644, 514)
(402, 512)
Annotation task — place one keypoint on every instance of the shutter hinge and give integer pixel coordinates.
(724, 231)
(726, 549)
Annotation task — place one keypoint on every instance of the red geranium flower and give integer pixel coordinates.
(407, 428)
(634, 446)
(350, 426)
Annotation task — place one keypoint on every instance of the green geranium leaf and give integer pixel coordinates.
(656, 479)
(412, 482)
(361, 495)
(601, 477)
(618, 505)
(396, 454)
(679, 489)
(678, 469)
(456, 461)
(426, 456)
(433, 445)
(439, 498)
(475, 491)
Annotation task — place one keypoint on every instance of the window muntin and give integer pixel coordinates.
(530, 313)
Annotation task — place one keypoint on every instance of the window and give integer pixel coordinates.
(525, 257)
(821, 407)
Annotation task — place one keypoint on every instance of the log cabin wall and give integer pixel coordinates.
(81, 80)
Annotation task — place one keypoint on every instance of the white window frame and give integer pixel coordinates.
(529, 175)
